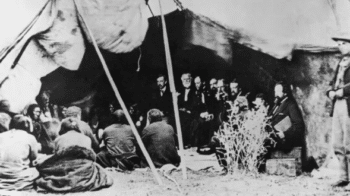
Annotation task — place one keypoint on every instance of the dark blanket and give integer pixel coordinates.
(71, 170)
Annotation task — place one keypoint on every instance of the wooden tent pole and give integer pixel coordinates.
(122, 104)
(173, 92)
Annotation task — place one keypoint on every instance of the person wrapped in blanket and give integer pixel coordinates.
(72, 167)
(18, 150)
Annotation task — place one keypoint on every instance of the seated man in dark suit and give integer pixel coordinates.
(286, 107)
(186, 103)
(162, 97)
(201, 124)
(159, 140)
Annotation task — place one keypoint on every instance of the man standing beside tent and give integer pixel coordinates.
(339, 93)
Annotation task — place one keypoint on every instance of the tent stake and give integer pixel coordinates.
(122, 104)
(173, 92)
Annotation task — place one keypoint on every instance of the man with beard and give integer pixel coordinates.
(213, 82)
(286, 113)
(235, 90)
(186, 103)
(210, 100)
(223, 106)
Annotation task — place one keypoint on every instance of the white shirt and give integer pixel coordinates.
(187, 90)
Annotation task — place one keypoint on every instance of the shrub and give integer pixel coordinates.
(243, 137)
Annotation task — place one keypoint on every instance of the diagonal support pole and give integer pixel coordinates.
(122, 104)
(173, 92)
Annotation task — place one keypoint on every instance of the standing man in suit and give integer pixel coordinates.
(339, 93)
(286, 106)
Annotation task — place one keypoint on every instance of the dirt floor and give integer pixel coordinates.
(209, 181)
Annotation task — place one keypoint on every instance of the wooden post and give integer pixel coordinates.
(121, 102)
(173, 92)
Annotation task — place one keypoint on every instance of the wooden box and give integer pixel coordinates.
(294, 153)
(286, 167)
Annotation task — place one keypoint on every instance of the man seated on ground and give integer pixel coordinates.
(159, 140)
(75, 112)
(72, 167)
(18, 150)
(120, 143)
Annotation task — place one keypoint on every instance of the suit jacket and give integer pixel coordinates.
(295, 135)
(163, 103)
(198, 105)
(212, 103)
(346, 87)
(189, 104)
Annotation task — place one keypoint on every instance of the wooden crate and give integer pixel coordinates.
(286, 167)
(294, 153)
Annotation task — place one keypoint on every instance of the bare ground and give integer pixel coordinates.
(208, 182)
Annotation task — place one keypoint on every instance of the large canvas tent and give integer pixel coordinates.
(257, 42)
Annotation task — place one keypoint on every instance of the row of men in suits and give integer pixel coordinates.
(200, 107)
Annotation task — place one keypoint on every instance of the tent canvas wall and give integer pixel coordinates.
(221, 38)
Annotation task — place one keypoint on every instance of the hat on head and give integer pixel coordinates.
(73, 111)
(343, 35)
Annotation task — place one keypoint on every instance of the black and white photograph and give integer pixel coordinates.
(175, 97)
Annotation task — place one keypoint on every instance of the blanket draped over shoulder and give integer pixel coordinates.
(71, 170)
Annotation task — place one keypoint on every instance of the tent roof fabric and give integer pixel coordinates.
(275, 27)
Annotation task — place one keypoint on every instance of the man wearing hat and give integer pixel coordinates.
(339, 93)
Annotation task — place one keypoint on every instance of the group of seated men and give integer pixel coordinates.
(201, 108)
(67, 156)
(204, 108)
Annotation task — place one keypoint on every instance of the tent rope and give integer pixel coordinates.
(179, 5)
(117, 94)
(173, 91)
